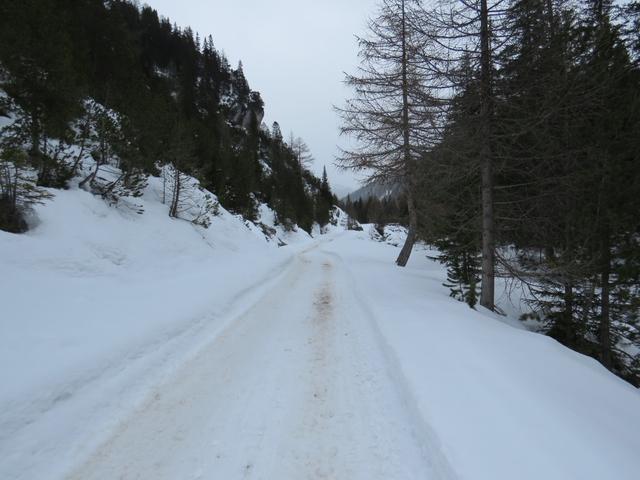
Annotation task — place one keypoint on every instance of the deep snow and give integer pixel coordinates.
(98, 304)
(292, 389)
(501, 402)
(137, 346)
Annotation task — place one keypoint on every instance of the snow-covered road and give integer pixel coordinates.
(152, 354)
(296, 388)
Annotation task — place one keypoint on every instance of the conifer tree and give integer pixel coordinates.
(324, 200)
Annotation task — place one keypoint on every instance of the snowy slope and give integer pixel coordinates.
(100, 302)
(497, 401)
(137, 346)
(282, 236)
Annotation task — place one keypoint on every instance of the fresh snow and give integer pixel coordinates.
(267, 217)
(98, 303)
(496, 401)
(138, 346)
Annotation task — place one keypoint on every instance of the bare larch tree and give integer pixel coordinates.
(386, 115)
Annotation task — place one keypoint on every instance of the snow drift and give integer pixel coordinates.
(100, 302)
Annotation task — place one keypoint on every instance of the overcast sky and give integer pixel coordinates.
(294, 52)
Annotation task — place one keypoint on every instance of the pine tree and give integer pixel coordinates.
(463, 268)
(324, 201)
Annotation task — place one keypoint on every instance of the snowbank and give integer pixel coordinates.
(499, 402)
(100, 302)
(276, 231)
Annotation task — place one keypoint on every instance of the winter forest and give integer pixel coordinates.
(161, 98)
(188, 292)
(514, 129)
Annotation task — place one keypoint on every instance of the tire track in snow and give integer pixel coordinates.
(295, 388)
(318, 414)
(425, 435)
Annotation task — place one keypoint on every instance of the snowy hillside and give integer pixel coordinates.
(139, 346)
(489, 401)
(97, 301)
(183, 298)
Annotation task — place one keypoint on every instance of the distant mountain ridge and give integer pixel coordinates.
(376, 190)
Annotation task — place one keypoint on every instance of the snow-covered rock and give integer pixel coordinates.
(276, 232)
(340, 221)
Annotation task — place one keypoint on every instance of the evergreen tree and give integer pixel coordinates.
(324, 201)
(147, 76)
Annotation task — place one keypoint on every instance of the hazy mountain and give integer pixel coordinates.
(376, 190)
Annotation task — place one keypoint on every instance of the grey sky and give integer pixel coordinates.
(294, 52)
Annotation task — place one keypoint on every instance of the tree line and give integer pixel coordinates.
(514, 128)
(379, 211)
(114, 84)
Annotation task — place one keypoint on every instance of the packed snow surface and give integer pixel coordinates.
(98, 304)
(140, 347)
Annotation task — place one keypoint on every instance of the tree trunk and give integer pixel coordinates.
(35, 152)
(567, 317)
(604, 330)
(405, 253)
(550, 17)
(164, 185)
(487, 295)
(89, 178)
(14, 189)
(173, 211)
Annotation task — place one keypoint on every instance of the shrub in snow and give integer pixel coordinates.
(113, 171)
(353, 224)
(187, 200)
(18, 190)
(19, 186)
